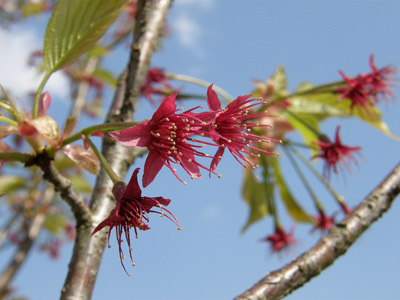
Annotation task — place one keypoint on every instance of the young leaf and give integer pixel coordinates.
(74, 27)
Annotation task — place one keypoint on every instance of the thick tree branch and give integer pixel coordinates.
(279, 283)
(87, 253)
(64, 186)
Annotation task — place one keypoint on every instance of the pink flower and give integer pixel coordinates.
(323, 222)
(335, 153)
(231, 129)
(365, 89)
(132, 211)
(168, 136)
(280, 239)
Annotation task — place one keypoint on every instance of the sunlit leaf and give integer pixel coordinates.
(48, 129)
(293, 208)
(74, 27)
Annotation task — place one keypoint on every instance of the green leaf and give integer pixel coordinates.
(325, 105)
(105, 76)
(55, 223)
(293, 208)
(254, 195)
(279, 79)
(74, 27)
(10, 183)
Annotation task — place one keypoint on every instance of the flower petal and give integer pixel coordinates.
(133, 190)
(166, 107)
(212, 100)
(135, 136)
(152, 166)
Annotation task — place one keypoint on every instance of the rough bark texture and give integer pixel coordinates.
(279, 283)
(87, 253)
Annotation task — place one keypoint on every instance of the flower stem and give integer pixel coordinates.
(335, 195)
(16, 156)
(303, 179)
(35, 110)
(200, 82)
(114, 177)
(8, 121)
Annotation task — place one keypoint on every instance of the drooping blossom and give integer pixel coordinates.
(169, 138)
(231, 128)
(132, 211)
(366, 89)
(156, 83)
(322, 221)
(280, 239)
(335, 154)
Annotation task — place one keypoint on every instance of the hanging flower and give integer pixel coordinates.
(169, 138)
(132, 211)
(322, 221)
(231, 128)
(280, 239)
(335, 154)
(366, 89)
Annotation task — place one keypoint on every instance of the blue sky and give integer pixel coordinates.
(230, 43)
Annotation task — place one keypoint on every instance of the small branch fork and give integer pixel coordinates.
(279, 283)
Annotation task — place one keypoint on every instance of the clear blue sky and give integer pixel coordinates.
(230, 43)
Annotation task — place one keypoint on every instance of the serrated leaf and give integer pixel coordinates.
(74, 27)
(80, 184)
(293, 208)
(10, 183)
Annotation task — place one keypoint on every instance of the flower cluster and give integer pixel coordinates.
(173, 138)
(131, 211)
(366, 89)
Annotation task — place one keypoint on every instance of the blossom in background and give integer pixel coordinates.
(169, 138)
(280, 239)
(131, 211)
(335, 153)
(156, 83)
(366, 89)
(231, 129)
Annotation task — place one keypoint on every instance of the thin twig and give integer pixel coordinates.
(279, 283)
(32, 232)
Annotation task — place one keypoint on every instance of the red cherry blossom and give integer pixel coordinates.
(232, 129)
(132, 211)
(280, 239)
(322, 221)
(169, 138)
(335, 154)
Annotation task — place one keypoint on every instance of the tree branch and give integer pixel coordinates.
(279, 283)
(64, 186)
(87, 253)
